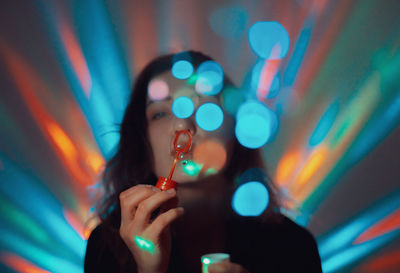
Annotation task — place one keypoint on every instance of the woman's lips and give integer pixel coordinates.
(187, 155)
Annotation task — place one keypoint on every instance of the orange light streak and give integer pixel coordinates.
(76, 57)
(286, 167)
(75, 223)
(384, 263)
(313, 62)
(315, 161)
(268, 73)
(386, 225)
(62, 141)
(95, 161)
(19, 264)
(26, 81)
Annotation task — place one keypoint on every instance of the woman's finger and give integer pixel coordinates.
(163, 220)
(134, 189)
(129, 202)
(226, 267)
(146, 207)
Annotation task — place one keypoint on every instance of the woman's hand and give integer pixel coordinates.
(226, 267)
(149, 241)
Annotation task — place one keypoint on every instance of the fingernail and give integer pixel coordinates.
(155, 189)
(171, 191)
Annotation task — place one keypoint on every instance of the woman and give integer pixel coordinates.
(146, 230)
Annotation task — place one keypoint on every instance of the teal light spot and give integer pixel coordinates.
(250, 199)
(209, 116)
(210, 78)
(182, 107)
(182, 69)
(255, 124)
(264, 36)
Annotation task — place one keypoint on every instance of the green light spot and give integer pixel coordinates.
(192, 80)
(206, 261)
(211, 171)
(145, 244)
(191, 168)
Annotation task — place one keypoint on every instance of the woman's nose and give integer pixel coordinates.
(185, 124)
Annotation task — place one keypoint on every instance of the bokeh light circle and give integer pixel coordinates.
(255, 124)
(269, 40)
(210, 78)
(158, 90)
(182, 107)
(182, 69)
(210, 154)
(209, 116)
(250, 199)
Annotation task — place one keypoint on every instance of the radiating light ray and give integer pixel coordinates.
(303, 185)
(286, 167)
(385, 225)
(316, 159)
(325, 124)
(383, 263)
(97, 35)
(19, 264)
(345, 237)
(75, 223)
(15, 244)
(26, 80)
(95, 161)
(299, 51)
(344, 130)
(75, 56)
(312, 65)
(103, 121)
(50, 216)
(353, 254)
(301, 45)
(107, 73)
(267, 74)
(22, 222)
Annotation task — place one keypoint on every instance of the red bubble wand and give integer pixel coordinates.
(167, 183)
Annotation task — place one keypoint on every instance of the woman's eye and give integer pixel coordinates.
(158, 115)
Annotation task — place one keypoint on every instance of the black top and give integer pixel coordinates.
(273, 247)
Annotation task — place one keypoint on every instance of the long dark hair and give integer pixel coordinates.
(132, 163)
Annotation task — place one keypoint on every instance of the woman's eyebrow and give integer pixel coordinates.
(153, 101)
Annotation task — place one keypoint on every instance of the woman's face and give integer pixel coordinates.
(210, 149)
